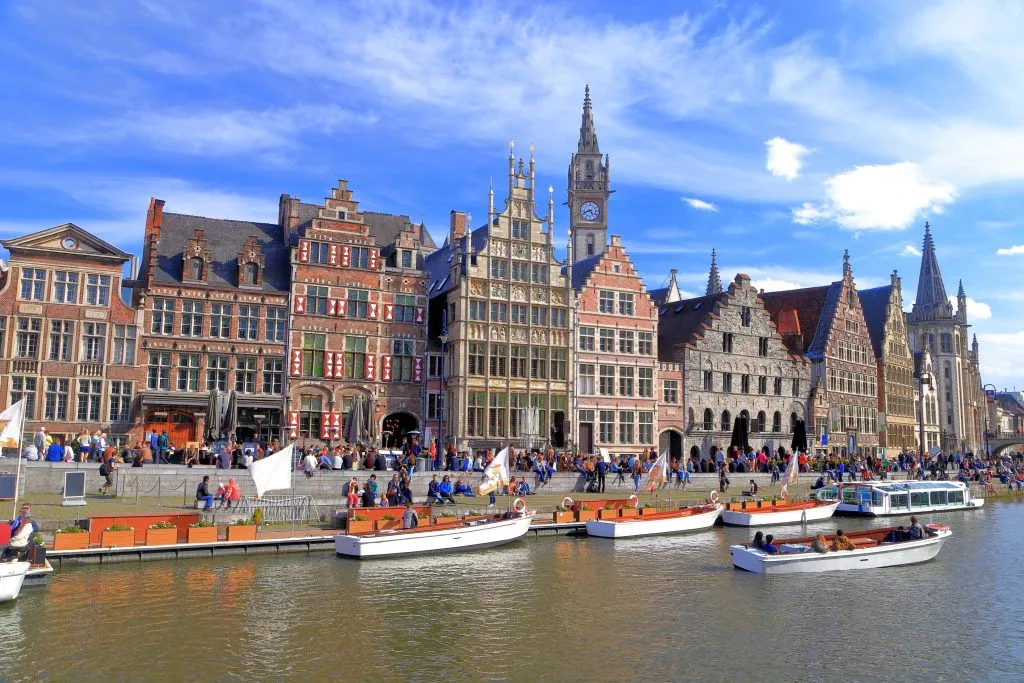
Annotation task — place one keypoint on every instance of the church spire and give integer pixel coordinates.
(932, 302)
(714, 281)
(588, 134)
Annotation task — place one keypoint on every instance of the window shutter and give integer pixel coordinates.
(385, 368)
(332, 309)
(293, 425)
(418, 314)
(370, 369)
(332, 255)
(339, 309)
(303, 251)
(335, 423)
(296, 368)
(373, 259)
(417, 369)
(389, 312)
(299, 304)
(325, 425)
(329, 364)
(346, 255)
(371, 310)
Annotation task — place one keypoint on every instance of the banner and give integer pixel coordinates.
(274, 472)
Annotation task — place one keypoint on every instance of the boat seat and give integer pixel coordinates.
(5, 533)
(864, 542)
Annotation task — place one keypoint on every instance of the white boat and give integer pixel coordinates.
(667, 522)
(12, 576)
(437, 538)
(874, 548)
(764, 513)
(882, 498)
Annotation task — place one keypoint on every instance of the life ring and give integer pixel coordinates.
(567, 502)
(713, 498)
(519, 505)
(634, 501)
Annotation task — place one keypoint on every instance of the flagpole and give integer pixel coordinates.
(17, 477)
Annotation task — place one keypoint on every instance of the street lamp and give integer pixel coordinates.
(925, 381)
(442, 396)
(988, 433)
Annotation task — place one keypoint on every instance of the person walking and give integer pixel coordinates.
(107, 472)
(602, 473)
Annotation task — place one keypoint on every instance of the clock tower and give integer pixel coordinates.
(589, 190)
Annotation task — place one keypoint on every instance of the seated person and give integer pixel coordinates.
(842, 541)
(324, 462)
(819, 544)
(916, 531)
(769, 547)
(22, 540)
(203, 492)
(820, 483)
(463, 489)
(752, 489)
(523, 489)
(433, 492)
(758, 541)
(444, 490)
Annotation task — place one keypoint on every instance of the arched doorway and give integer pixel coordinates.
(396, 427)
(671, 441)
(179, 425)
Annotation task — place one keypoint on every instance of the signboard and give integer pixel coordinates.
(74, 488)
(824, 439)
(851, 443)
(7, 482)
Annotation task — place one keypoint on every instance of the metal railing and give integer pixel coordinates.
(278, 509)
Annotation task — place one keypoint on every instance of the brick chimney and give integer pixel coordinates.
(457, 226)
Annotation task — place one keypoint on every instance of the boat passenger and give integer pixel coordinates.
(22, 541)
(819, 544)
(768, 546)
(410, 520)
(916, 531)
(842, 541)
(758, 541)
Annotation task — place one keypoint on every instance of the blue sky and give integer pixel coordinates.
(778, 134)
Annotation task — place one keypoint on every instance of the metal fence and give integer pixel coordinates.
(280, 509)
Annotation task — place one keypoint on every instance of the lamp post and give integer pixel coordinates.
(443, 396)
(988, 432)
(925, 381)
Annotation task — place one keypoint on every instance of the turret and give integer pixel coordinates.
(714, 279)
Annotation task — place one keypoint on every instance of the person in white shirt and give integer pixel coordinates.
(338, 463)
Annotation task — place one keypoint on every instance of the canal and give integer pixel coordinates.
(551, 609)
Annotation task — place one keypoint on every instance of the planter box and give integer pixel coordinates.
(563, 517)
(627, 512)
(607, 514)
(71, 541)
(117, 539)
(242, 532)
(161, 536)
(202, 534)
(388, 524)
(37, 555)
(585, 515)
(646, 511)
(358, 526)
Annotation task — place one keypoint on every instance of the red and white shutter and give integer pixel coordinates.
(346, 255)
(329, 364)
(331, 307)
(296, 365)
(339, 365)
(417, 369)
(389, 312)
(385, 368)
(325, 425)
(303, 251)
(370, 368)
(417, 315)
(373, 259)
(332, 255)
(371, 310)
(293, 425)
(341, 308)
(299, 304)
(335, 423)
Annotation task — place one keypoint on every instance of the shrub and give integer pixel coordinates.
(609, 507)
(119, 527)
(162, 525)
(587, 507)
(243, 522)
(562, 508)
(74, 529)
(203, 524)
(257, 517)
(38, 538)
(361, 518)
(388, 518)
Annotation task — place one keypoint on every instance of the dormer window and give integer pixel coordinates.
(406, 257)
(195, 269)
(250, 274)
(251, 264)
(196, 258)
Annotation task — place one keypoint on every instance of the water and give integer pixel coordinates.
(550, 609)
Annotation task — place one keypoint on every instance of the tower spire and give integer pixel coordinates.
(588, 134)
(714, 280)
(932, 302)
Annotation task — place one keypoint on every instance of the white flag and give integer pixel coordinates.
(790, 475)
(656, 475)
(273, 472)
(496, 473)
(12, 423)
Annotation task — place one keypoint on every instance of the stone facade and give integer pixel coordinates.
(927, 400)
(589, 189)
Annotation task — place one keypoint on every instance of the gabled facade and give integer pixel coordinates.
(926, 400)
(68, 341)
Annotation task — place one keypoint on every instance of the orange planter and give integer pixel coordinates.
(359, 526)
(563, 517)
(242, 532)
(646, 511)
(118, 539)
(202, 534)
(161, 536)
(388, 524)
(607, 514)
(584, 515)
(627, 512)
(71, 541)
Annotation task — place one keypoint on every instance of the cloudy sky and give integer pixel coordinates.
(778, 135)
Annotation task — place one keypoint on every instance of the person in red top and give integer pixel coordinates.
(802, 462)
(232, 494)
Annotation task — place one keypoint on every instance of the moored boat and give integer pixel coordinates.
(883, 547)
(12, 576)
(691, 518)
(885, 498)
(767, 513)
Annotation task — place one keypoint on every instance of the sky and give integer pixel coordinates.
(779, 134)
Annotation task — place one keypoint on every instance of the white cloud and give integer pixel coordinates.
(1011, 251)
(911, 250)
(785, 158)
(700, 204)
(1002, 357)
(976, 310)
(878, 197)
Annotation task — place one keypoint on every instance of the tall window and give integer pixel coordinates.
(250, 274)
(25, 388)
(61, 334)
(625, 381)
(606, 301)
(645, 382)
(188, 372)
(539, 273)
(316, 300)
(517, 361)
(520, 230)
(586, 338)
(405, 308)
(670, 391)
(762, 346)
(313, 346)
(626, 338)
(645, 343)
(310, 409)
(762, 385)
(65, 287)
(355, 357)
(745, 316)
(245, 374)
(477, 358)
(726, 421)
(33, 284)
(709, 380)
(496, 413)
(359, 257)
(727, 382)
(499, 269)
(538, 362)
(606, 343)
(590, 245)
(3, 335)
(435, 406)
(275, 324)
(497, 366)
(516, 404)
(778, 386)
(273, 375)
(796, 386)
(709, 420)
(401, 362)
(727, 341)
(195, 270)
(192, 318)
(120, 401)
(163, 316)
(124, 345)
(249, 322)
(90, 394)
(559, 317)
(626, 426)
(217, 373)
(478, 309)
(406, 258)
(606, 380)
(518, 312)
(585, 379)
(94, 342)
(646, 432)
(777, 422)
(97, 290)
(946, 340)
(475, 413)
(498, 312)
(55, 400)
(435, 365)
(625, 303)
(319, 252)
(539, 316)
(606, 426)
(220, 320)
(27, 339)
(759, 424)
(745, 384)
(358, 303)
(559, 363)
(520, 271)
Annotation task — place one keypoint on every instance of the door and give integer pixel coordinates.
(586, 443)
(179, 425)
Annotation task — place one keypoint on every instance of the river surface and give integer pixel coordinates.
(548, 609)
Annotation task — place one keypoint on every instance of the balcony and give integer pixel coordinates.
(24, 367)
(90, 370)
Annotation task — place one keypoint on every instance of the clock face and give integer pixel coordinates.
(590, 211)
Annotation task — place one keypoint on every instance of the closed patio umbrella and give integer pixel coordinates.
(213, 416)
(739, 435)
(799, 443)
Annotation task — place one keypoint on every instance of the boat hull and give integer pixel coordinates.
(893, 555)
(12, 576)
(744, 518)
(472, 537)
(638, 526)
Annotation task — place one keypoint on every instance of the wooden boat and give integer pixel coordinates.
(766, 513)
(443, 537)
(885, 498)
(882, 547)
(668, 522)
(12, 576)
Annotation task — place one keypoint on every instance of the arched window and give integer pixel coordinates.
(709, 420)
(590, 169)
(689, 418)
(777, 422)
(761, 417)
(726, 421)
(195, 269)
(590, 245)
(250, 273)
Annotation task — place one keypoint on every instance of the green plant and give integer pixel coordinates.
(74, 529)
(562, 508)
(38, 539)
(202, 524)
(646, 506)
(257, 517)
(389, 518)
(361, 518)
(118, 526)
(162, 525)
(243, 522)
(447, 514)
(587, 507)
(609, 507)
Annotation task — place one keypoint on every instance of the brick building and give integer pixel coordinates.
(68, 340)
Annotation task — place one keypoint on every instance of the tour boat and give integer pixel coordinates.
(442, 537)
(766, 513)
(12, 576)
(874, 548)
(882, 498)
(666, 522)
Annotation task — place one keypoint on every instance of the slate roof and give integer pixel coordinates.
(385, 228)
(679, 322)
(438, 264)
(814, 308)
(581, 270)
(658, 295)
(226, 238)
(875, 302)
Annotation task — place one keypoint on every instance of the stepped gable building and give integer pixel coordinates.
(357, 319)
(826, 324)
(500, 310)
(668, 294)
(68, 340)
(617, 362)
(896, 382)
(934, 321)
(213, 294)
(735, 366)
